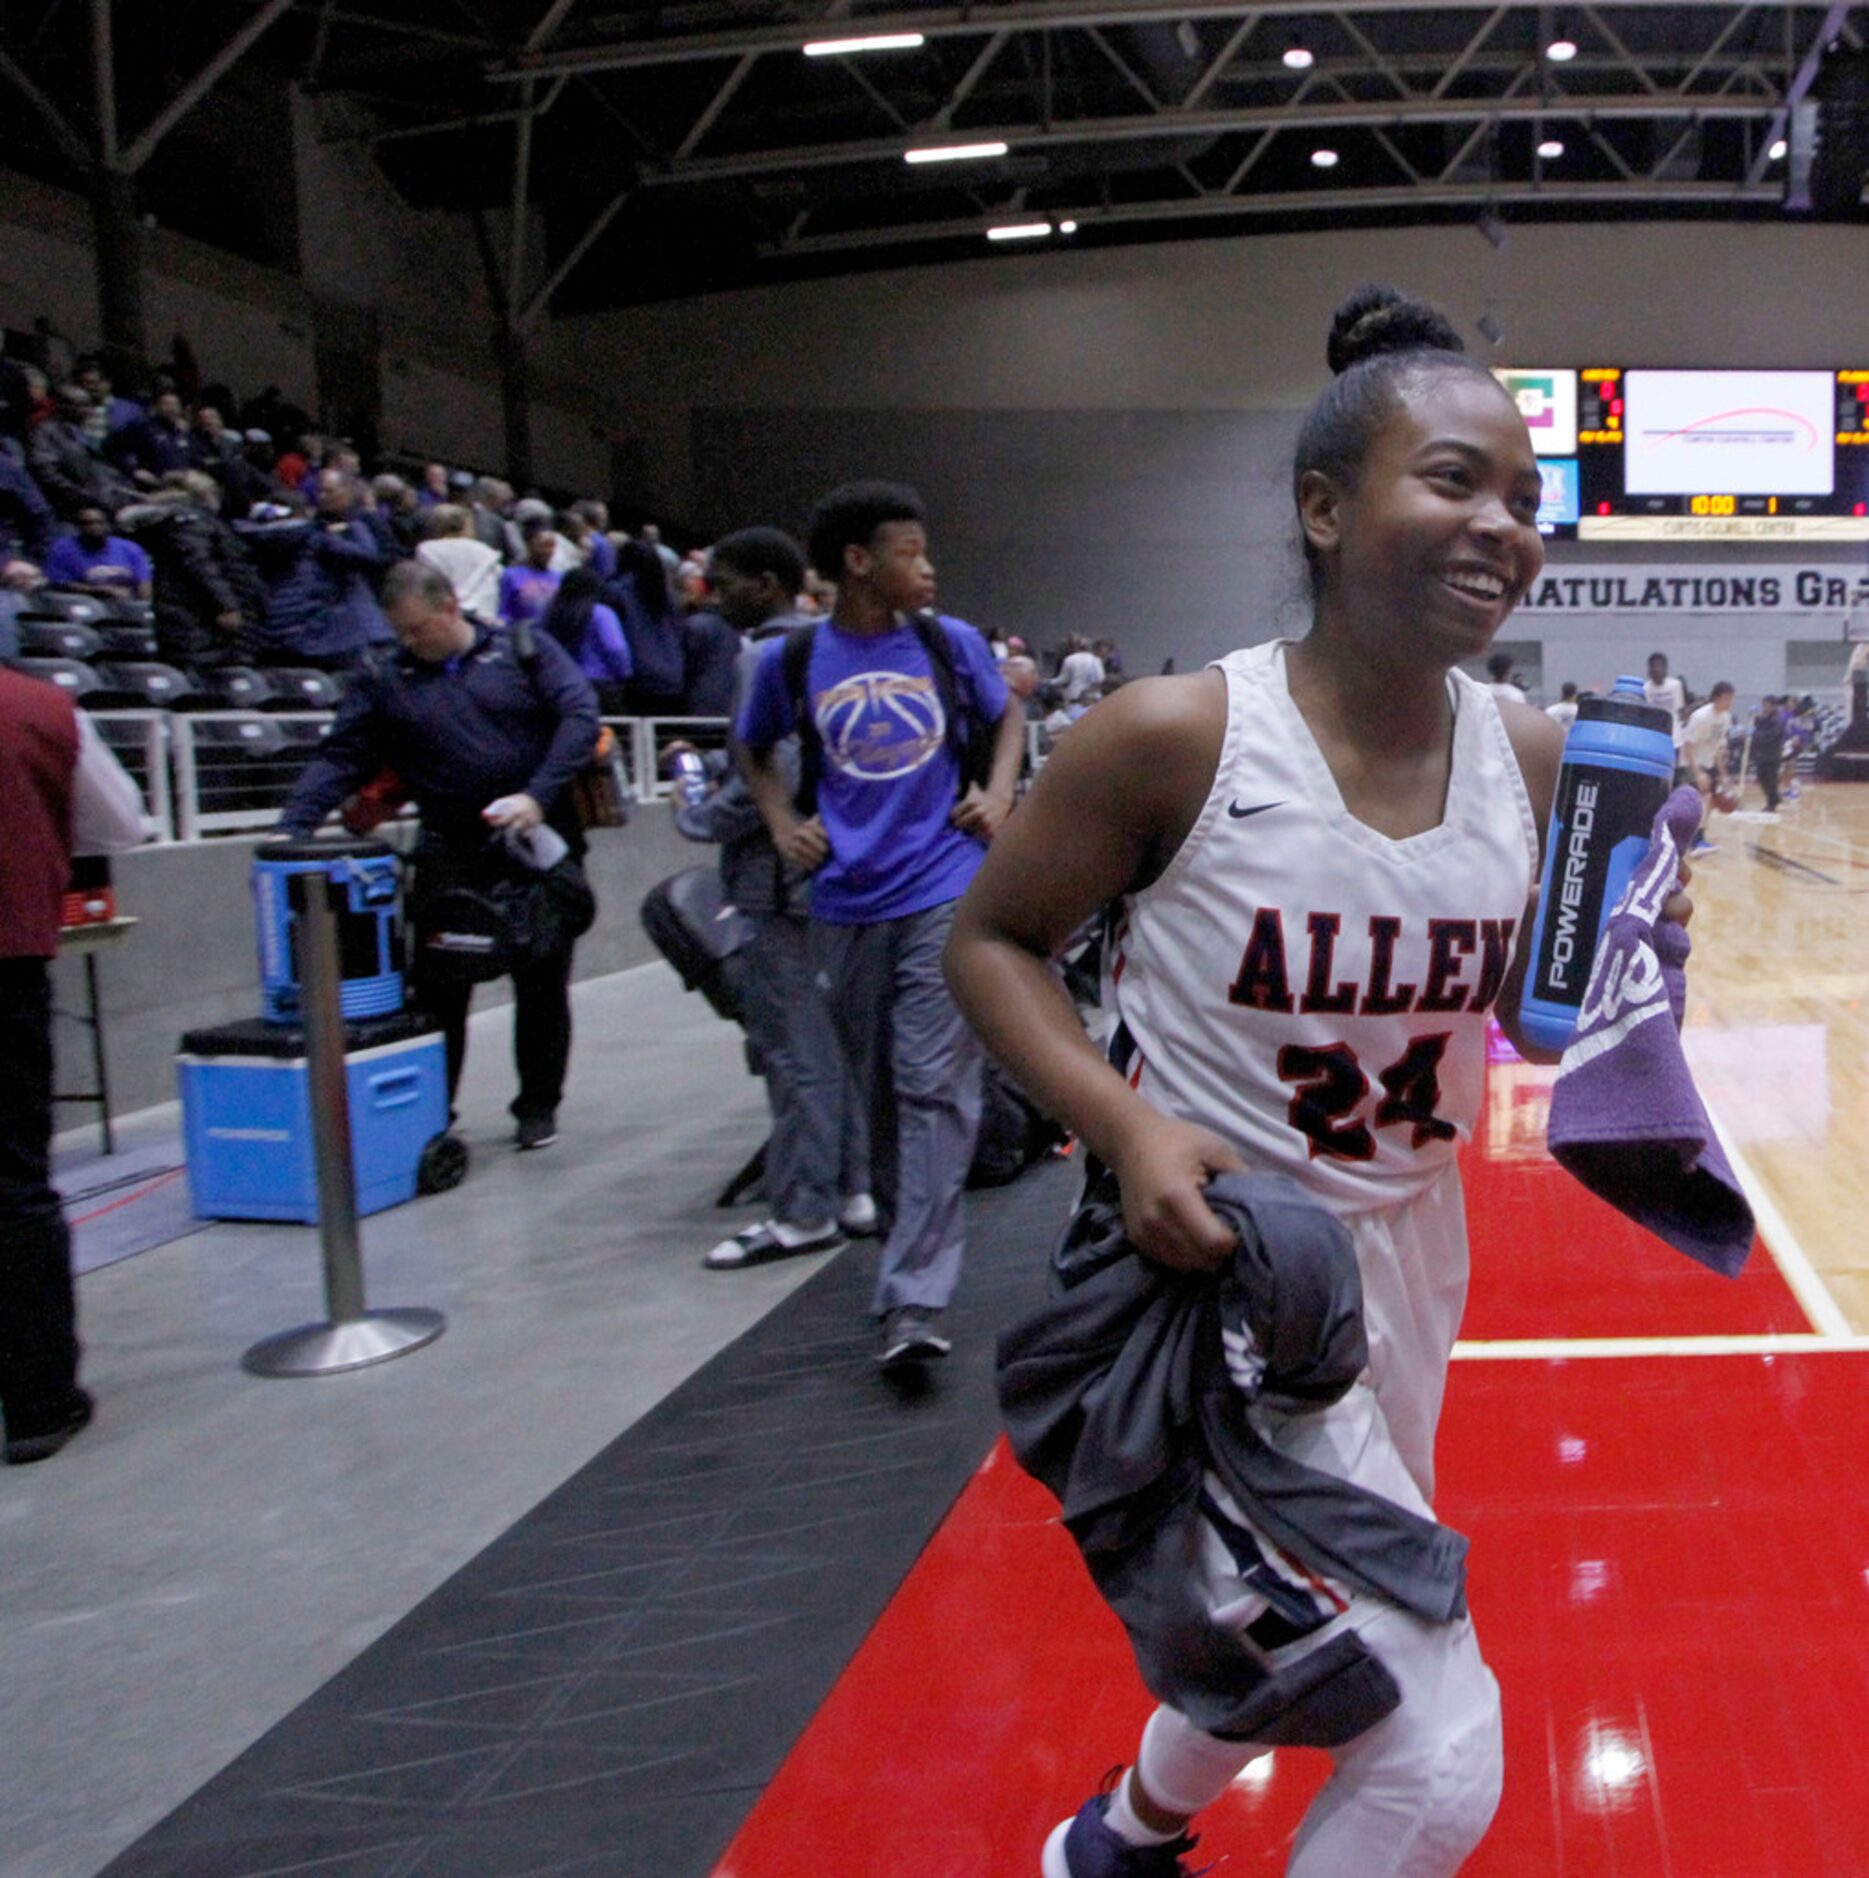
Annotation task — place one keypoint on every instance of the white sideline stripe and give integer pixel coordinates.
(1781, 1242)
(1566, 1348)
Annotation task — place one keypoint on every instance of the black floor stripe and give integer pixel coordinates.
(609, 1685)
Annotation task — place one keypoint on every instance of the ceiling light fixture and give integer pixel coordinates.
(1777, 151)
(953, 152)
(1067, 228)
(876, 42)
(1299, 58)
(1324, 159)
(1019, 231)
(1561, 51)
(1550, 149)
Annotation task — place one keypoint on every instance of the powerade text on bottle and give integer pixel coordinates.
(1617, 769)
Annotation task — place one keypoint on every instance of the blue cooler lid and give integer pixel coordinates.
(253, 1036)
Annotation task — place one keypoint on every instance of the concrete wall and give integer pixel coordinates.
(252, 326)
(193, 961)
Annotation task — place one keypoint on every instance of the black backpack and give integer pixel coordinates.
(972, 740)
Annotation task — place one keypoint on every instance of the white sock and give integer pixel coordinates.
(787, 1234)
(1182, 1769)
(1122, 1819)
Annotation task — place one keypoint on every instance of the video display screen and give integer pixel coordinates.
(1744, 433)
(1661, 455)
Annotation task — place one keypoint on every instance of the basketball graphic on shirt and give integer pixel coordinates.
(880, 725)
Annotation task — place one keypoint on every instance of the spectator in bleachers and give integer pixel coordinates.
(1021, 676)
(155, 445)
(655, 629)
(209, 600)
(222, 454)
(98, 562)
(107, 412)
(488, 501)
(472, 568)
(294, 462)
(526, 589)
(70, 473)
(591, 632)
(652, 534)
(1081, 671)
(320, 607)
(394, 516)
(600, 553)
(26, 519)
(434, 489)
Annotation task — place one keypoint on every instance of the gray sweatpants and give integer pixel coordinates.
(918, 1067)
(819, 1151)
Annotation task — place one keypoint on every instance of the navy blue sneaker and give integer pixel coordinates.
(1085, 1847)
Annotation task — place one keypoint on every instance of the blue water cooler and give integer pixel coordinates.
(369, 925)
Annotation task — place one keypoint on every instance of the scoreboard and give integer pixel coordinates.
(1632, 454)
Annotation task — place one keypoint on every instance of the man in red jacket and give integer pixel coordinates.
(64, 792)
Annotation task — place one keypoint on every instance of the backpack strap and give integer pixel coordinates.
(970, 738)
(795, 667)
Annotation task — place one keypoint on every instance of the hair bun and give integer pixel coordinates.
(1375, 320)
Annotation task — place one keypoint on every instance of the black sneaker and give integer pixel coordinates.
(1085, 1847)
(537, 1131)
(908, 1337)
(23, 1449)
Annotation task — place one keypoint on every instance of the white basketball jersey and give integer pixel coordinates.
(1309, 989)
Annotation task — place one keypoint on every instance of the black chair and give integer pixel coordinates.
(152, 685)
(71, 676)
(122, 639)
(234, 687)
(56, 638)
(85, 609)
(302, 688)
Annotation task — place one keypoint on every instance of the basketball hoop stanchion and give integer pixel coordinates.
(351, 1337)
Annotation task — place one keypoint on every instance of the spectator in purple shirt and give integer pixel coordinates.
(591, 632)
(96, 561)
(526, 589)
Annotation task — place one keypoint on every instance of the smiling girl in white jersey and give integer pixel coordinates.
(1326, 848)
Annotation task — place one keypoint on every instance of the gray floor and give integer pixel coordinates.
(217, 1546)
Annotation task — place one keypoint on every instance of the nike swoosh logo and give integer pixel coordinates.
(1240, 814)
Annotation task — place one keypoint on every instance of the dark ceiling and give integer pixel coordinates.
(685, 148)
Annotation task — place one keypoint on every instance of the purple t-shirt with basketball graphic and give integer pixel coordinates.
(890, 776)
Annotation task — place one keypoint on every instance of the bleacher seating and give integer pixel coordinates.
(146, 682)
(301, 688)
(57, 638)
(70, 675)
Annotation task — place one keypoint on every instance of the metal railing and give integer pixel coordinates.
(140, 742)
(234, 769)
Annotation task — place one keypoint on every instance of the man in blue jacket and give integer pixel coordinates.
(483, 742)
(321, 608)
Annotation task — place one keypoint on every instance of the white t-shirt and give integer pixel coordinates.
(1080, 672)
(1704, 738)
(1671, 695)
(1564, 712)
(1510, 693)
(472, 570)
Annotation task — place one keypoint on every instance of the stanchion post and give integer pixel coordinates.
(351, 1337)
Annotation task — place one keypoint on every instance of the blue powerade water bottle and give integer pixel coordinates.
(1617, 770)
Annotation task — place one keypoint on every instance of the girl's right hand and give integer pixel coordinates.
(1162, 1168)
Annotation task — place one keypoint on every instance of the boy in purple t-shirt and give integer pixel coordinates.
(891, 841)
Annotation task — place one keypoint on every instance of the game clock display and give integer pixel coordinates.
(1632, 454)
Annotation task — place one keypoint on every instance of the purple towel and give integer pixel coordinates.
(1626, 1118)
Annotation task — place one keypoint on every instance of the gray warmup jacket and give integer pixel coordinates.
(1116, 1396)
